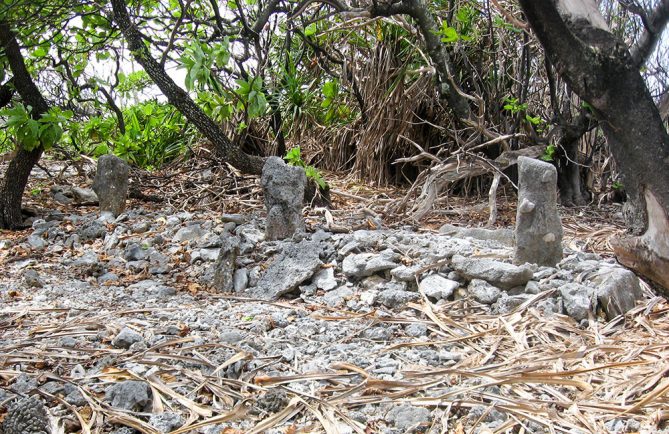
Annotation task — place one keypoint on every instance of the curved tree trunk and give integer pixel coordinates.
(600, 69)
(179, 98)
(14, 182)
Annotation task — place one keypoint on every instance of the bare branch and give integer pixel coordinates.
(655, 24)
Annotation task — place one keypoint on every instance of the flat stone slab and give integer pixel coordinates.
(296, 264)
(500, 274)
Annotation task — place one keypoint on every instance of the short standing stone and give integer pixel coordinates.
(538, 227)
(283, 190)
(111, 184)
(226, 264)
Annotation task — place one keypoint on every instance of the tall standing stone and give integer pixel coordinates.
(111, 184)
(283, 190)
(538, 227)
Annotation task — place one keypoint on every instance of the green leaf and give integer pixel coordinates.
(330, 89)
(310, 30)
(41, 51)
(449, 34)
(294, 157)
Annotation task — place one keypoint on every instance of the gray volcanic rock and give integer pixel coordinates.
(577, 300)
(502, 236)
(129, 395)
(126, 338)
(297, 263)
(499, 274)
(438, 287)
(617, 291)
(538, 226)
(483, 292)
(111, 184)
(224, 274)
(283, 191)
(366, 264)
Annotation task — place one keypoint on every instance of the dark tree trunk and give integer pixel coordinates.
(14, 182)
(600, 69)
(179, 98)
(569, 165)
(569, 176)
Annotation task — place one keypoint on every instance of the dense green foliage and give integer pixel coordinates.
(268, 71)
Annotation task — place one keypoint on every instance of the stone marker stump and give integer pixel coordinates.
(538, 227)
(283, 190)
(111, 184)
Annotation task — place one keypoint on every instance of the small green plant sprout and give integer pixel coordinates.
(35, 191)
(512, 105)
(617, 185)
(537, 121)
(294, 158)
(549, 153)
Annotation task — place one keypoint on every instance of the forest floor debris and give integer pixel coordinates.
(140, 342)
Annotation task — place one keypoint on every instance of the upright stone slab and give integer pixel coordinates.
(538, 227)
(283, 190)
(111, 184)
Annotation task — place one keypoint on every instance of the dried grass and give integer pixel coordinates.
(548, 371)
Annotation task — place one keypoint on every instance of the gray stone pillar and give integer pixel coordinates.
(538, 227)
(283, 191)
(111, 184)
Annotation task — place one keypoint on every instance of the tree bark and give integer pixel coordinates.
(179, 98)
(16, 177)
(600, 69)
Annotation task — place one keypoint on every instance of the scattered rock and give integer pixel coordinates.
(111, 184)
(438, 287)
(325, 280)
(166, 422)
(538, 226)
(617, 290)
(126, 338)
(502, 236)
(577, 300)
(283, 192)
(297, 263)
(393, 298)
(32, 279)
(408, 418)
(499, 274)
(483, 292)
(366, 264)
(129, 395)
